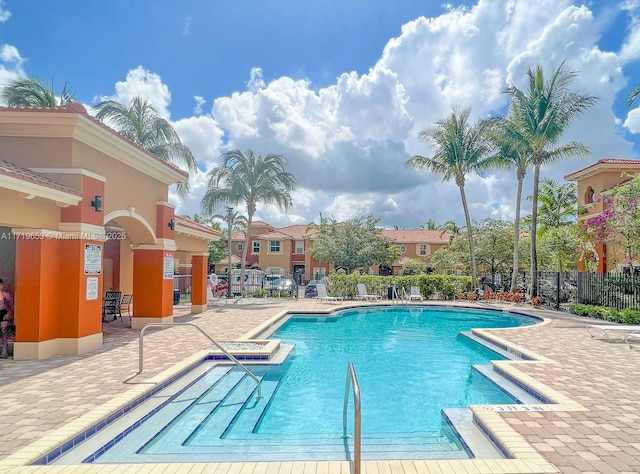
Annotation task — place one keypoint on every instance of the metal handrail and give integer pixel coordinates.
(224, 351)
(352, 379)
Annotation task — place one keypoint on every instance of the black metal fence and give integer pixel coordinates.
(557, 289)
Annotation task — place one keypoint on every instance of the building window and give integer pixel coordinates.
(423, 249)
(403, 249)
(589, 195)
(319, 273)
(256, 247)
(274, 246)
(299, 246)
(239, 247)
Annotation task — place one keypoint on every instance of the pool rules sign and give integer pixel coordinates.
(92, 266)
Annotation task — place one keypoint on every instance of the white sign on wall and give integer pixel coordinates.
(92, 259)
(92, 288)
(168, 266)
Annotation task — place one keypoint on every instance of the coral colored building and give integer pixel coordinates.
(84, 211)
(591, 182)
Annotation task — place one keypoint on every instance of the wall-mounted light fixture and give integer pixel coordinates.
(172, 224)
(97, 203)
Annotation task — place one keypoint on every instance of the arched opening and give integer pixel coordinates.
(589, 195)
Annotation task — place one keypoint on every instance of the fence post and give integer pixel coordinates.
(558, 290)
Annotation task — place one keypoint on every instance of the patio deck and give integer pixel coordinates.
(39, 397)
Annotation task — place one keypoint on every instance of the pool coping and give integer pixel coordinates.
(524, 458)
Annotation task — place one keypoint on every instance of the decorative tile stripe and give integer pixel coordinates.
(534, 393)
(57, 452)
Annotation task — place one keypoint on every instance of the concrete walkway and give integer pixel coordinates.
(39, 397)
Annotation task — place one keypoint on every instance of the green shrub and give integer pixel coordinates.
(606, 313)
(443, 286)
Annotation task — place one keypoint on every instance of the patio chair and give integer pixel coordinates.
(618, 331)
(363, 295)
(213, 300)
(111, 305)
(415, 294)
(125, 304)
(324, 296)
(633, 339)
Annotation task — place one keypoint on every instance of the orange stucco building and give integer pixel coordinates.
(591, 182)
(84, 211)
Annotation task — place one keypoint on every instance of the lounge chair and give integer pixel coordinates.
(633, 339)
(324, 296)
(363, 295)
(619, 331)
(415, 294)
(213, 300)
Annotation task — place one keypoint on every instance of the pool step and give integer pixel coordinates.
(239, 403)
(221, 417)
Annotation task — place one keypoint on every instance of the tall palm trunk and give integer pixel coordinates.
(516, 237)
(247, 239)
(533, 291)
(472, 248)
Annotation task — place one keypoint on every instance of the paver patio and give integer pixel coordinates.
(41, 396)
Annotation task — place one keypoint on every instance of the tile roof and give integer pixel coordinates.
(418, 236)
(604, 163)
(294, 232)
(25, 174)
(239, 235)
(191, 224)
(81, 110)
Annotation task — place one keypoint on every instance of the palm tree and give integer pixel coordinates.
(451, 227)
(460, 148)
(512, 152)
(633, 95)
(558, 204)
(249, 179)
(141, 123)
(542, 114)
(429, 225)
(28, 91)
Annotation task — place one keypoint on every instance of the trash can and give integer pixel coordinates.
(390, 293)
(176, 296)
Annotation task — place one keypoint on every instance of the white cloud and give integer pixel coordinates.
(347, 143)
(633, 121)
(4, 13)
(200, 101)
(142, 83)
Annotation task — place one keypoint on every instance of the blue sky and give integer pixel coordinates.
(341, 88)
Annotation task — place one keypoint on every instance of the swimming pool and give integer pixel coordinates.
(411, 361)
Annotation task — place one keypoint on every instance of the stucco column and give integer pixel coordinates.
(602, 257)
(199, 267)
(58, 287)
(152, 285)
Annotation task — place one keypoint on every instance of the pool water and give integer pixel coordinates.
(411, 363)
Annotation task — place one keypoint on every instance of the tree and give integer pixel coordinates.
(249, 179)
(217, 248)
(460, 148)
(494, 245)
(28, 91)
(619, 218)
(633, 95)
(141, 124)
(451, 228)
(429, 225)
(542, 114)
(512, 152)
(354, 244)
(559, 247)
(558, 204)
(413, 266)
